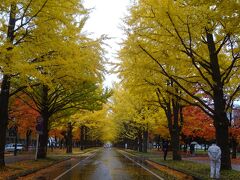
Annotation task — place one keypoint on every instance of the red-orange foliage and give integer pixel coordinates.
(24, 115)
(197, 123)
(76, 134)
(235, 126)
(55, 133)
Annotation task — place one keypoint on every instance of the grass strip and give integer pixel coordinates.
(201, 171)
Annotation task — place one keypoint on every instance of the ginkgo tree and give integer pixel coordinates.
(60, 102)
(99, 123)
(134, 117)
(76, 84)
(40, 40)
(143, 77)
(89, 126)
(199, 42)
(126, 114)
(15, 27)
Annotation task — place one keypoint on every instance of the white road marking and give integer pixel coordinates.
(148, 170)
(61, 175)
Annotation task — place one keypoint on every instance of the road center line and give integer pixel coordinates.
(61, 175)
(148, 170)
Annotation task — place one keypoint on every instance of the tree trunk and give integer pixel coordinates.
(175, 145)
(28, 135)
(221, 122)
(185, 148)
(205, 147)
(234, 148)
(69, 138)
(145, 141)
(173, 111)
(5, 89)
(173, 116)
(158, 142)
(82, 137)
(222, 141)
(135, 144)
(43, 138)
(56, 141)
(16, 140)
(4, 100)
(175, 131)
(140, 141)
(86, 138)
(61, 143)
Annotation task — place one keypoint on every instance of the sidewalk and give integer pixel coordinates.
(10, 158)
(30, 155)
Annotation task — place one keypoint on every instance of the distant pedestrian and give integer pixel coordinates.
(51, 146)
(192, 149)
(165, 149)
(214, 153)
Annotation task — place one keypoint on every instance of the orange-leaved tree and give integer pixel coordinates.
(235, 131)
(197, 124)
(24, 117)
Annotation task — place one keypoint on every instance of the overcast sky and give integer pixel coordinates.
(106, 18)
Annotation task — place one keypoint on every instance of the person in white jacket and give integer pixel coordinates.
(214, 153)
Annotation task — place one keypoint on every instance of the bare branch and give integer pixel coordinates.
(164, 72)
(31, 18)
(27, 103)
(192, 103)
(227, 72)
(226, 38)
(232, 97)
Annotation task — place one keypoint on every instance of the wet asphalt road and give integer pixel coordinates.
(107, 164)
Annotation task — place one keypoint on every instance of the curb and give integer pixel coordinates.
(181, 171)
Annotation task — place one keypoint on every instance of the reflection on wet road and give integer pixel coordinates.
(107, 164)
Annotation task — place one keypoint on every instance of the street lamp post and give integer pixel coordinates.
(39, 129)
(15, 128)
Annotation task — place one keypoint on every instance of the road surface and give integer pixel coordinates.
(107, 164)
